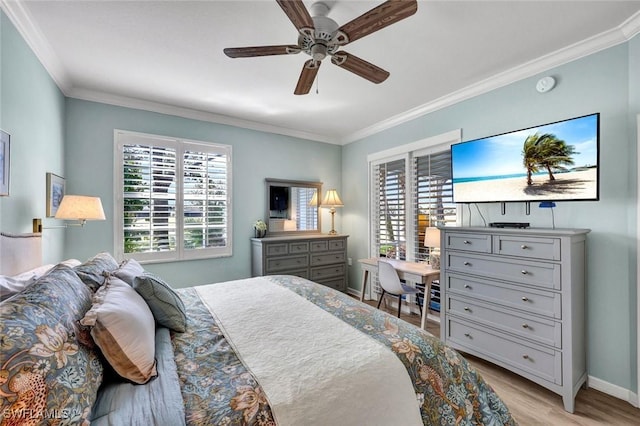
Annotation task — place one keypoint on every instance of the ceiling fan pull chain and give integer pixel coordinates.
(317, 84)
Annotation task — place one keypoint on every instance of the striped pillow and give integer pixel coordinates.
(165, 304)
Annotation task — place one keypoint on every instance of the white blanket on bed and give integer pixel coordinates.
(314, 368)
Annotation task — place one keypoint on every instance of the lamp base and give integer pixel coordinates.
(333, 228)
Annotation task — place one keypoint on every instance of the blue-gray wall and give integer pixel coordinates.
(32, 111)
(256, 155)
(73, 138)
(598, 83)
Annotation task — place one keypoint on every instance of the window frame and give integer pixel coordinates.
(124, 137)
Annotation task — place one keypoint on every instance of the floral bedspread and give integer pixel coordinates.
(219, 390)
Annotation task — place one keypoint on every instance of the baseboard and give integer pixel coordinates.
(613, 390)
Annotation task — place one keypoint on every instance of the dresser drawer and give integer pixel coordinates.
(320, 273)
(279, 264)
(276, 249)
(322, 245)
(530, 300)
(295, 248)
(529, 247)
(545, 363)
(337, 244)
(547, 332)
(468, 242)
(540, 274)
(327, 258)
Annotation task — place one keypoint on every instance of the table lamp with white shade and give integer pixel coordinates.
(432, 240)
(332, 200)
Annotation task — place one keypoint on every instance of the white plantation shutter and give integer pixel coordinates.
(409, 185)
(174, 199)
(433, 194)
(388, 209)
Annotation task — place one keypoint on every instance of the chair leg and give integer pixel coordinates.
(399, 304)
(381, 296)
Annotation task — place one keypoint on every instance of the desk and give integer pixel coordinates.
(413, 272)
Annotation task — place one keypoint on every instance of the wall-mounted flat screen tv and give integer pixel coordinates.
(552, 162)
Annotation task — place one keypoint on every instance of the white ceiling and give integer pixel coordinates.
(166, 56)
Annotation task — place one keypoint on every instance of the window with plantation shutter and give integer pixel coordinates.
(388, 210)
(433, 195)
(410, 189)
(173, 198)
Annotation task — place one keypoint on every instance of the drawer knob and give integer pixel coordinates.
(525, 299)
(525, 325)
(467, 335)
(277, 263)
(525, 356)
(524, 247)
(523, 272)
(467, 264)
(467, 286)
(466, 242)
(466, 308)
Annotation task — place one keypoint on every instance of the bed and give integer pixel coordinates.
(107, 343)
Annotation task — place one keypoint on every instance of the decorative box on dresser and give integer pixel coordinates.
(516, 297)
(320, 258)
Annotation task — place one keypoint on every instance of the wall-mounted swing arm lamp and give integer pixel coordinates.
(75, 207)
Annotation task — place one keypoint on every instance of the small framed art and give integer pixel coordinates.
(55, 192)
(5, 151)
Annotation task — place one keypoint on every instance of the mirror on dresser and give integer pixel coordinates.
(292, 206)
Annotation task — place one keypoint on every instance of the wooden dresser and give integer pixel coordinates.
(516, 297)
(321, 258)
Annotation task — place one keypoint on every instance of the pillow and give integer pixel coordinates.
(167, 307)
(123, 328)
(128, 270)
(92, 271)
(10, 285)
(44, 353)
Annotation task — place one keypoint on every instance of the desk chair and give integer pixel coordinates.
(390, 283)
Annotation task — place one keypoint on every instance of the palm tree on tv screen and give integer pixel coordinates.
(548, 152)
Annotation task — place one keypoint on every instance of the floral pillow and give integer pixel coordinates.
(49, 371)
(92, 272)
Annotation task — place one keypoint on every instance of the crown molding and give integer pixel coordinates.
(194, 114)
(623, 33)
(34, 38)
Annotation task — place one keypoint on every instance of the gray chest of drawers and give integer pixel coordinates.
(516, 297)
(319, 258)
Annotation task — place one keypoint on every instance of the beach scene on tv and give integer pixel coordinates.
(557, 161)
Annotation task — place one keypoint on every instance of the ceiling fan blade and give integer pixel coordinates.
(359, 67)
(307, 76)
(379, 17)
(297, 13)
(248, 52)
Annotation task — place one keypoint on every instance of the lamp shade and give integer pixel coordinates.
(331, 199)
(80, 207)
(314, 199)
(432, 237)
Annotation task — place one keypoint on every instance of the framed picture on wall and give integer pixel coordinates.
(55, 192)
(5, 142)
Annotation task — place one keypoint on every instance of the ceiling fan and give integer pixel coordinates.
(320, 36)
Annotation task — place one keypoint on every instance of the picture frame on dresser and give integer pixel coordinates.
(5, 162)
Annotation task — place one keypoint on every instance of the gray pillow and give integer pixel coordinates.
(165, 304)
(128, 270)
(92, 272)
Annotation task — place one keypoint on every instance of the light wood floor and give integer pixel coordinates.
(531, 404)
